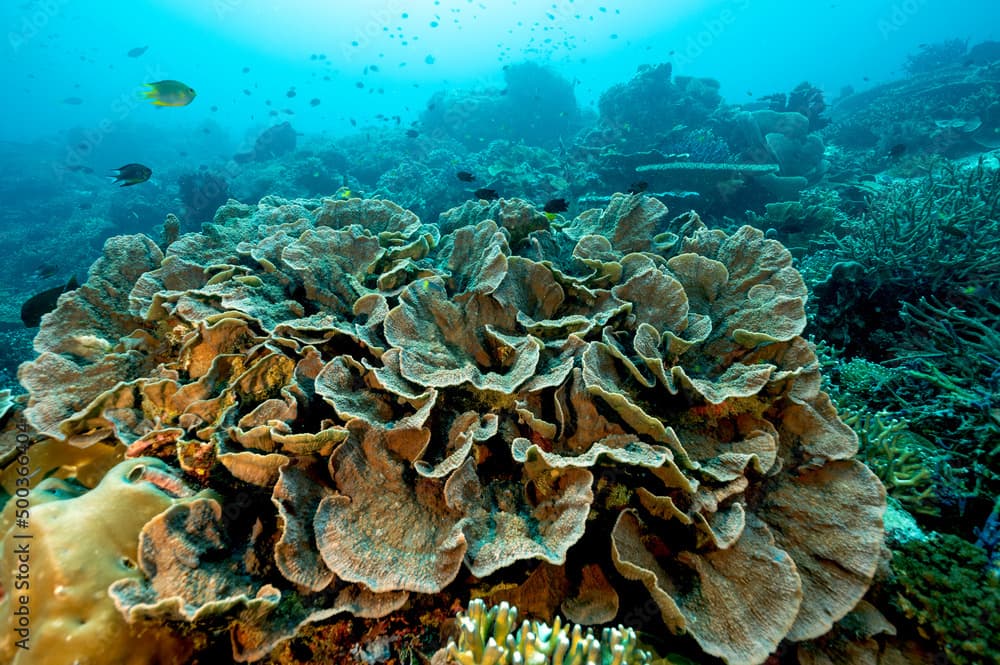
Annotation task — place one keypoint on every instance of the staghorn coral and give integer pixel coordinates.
(491, 636)
(932, 239)
(902, 460)
(933, 235)
(633, 409)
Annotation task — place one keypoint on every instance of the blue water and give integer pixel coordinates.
(58, 49)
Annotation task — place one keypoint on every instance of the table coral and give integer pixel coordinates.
(389, 414)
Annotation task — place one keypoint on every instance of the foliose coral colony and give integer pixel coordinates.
(386, 416)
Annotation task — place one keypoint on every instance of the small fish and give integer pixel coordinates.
(896, 151)
(465, 176)
(638, 187)
(354, 123)
(42, 303)
(73, 101)
(132, 174)
(246, 70)
(169, 93)
(46, 270)
(344, 193)
(315, 101)
(291, 93)
(978, 292)
(137, 51)
(486, 194)
(556, 206)
(412, 133)
(86, 206)
(433, 284)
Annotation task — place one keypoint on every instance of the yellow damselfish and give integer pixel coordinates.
(169, 93)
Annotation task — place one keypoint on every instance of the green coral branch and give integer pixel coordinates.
(951, 331)
(898, 457)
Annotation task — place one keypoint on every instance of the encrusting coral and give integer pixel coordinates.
(386, 413)
(943, 584)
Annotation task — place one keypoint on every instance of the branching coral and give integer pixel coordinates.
(492, 637)
(917, 282)
(894, 415)
(930, 236)
(387, 413)
(902, 460)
